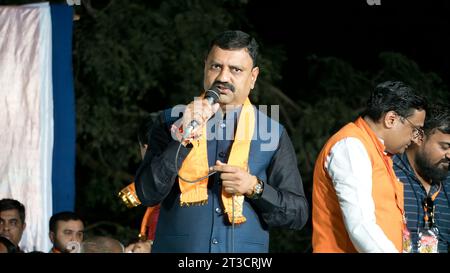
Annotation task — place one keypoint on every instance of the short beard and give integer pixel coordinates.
(429, 171)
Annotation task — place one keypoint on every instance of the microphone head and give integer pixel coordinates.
(212, 94)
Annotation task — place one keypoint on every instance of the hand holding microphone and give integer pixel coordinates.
(198, 113)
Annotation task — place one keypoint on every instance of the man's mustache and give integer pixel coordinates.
(224, 85)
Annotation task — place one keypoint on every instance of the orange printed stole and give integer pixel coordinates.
(196, 165)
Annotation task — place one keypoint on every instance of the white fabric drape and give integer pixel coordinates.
(26, 116)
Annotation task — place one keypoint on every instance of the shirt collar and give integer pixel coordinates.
(402, 160)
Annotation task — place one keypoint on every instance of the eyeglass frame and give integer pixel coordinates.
(417, 132)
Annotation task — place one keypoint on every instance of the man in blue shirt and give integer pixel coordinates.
(424, 171)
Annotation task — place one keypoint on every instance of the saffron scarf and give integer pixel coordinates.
(196, 165)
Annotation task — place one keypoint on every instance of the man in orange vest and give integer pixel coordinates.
(357, 199)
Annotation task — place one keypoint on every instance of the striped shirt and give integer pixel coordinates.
(415, 193)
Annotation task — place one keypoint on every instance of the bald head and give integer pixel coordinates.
(101, 244)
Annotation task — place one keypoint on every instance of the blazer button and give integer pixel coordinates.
(218, 211)
(214, 241)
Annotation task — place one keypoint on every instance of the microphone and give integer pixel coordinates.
(73, 247)
(211, 96)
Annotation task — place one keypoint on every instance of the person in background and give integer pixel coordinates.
(12, 220)
(101, 244)
(357, 200)
(66, 232)
(128, 195)
(424, 171)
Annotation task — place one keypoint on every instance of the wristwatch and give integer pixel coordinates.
(257, 190)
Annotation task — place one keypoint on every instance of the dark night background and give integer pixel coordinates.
(354, 32)
(319, 60)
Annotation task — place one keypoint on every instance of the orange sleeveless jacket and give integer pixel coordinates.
(329, 232)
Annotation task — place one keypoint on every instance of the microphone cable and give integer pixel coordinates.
(178, 171)
(232, 224)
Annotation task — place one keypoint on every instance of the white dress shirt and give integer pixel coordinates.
(349, 166)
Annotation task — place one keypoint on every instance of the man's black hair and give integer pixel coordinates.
(236, 39)
(9, 204)
(63, 216)
(393, 96)
(437, 118)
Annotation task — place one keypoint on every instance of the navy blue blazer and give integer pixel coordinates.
(204, 228)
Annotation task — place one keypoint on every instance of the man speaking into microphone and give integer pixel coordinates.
(225, 172)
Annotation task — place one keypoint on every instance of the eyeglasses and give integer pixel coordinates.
(417, 132)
